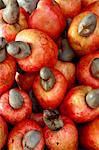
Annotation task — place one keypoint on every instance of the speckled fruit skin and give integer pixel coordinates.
(68, 69)
(83, 45)
(89, 135)
(10, 31)
(85, 3)
(25, 81)
(64, 139)
(53, 97)
(75, 106)
(84, 75)
(44, 51)
(7, 74)
(48, 18)
(17, 133)
(38, 117)
(12, 115)
(3, 132)
(94, 7)
(70, 8)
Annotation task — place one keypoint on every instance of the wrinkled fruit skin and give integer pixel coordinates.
(84, 75)
(25, 81)
(12, 115)
(44, 51)
(70, 8)
(48, 18)
(38, 117)
(7, 74)
(17, 133)
(3, 132)
(85, 3)
(94, 7)
(53, 97)
(55, 141)
(10, 31)
(89, 135)
(68, 69)
(74, 105)
(83, 45)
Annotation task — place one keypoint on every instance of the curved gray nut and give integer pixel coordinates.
(18, 49)
(92, 98)
(31, 139)
(87, 25)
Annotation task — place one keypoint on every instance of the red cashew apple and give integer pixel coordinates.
(94, 7)
(81, 104)
(48, 18)
(83, 34)
(3, 132)
(60, 132)
(33, 49)
(88, 70)
(38, 117)
(25, 81)
(7, 74)
(26, 135)
(70, 8)
(12, 20)
(85, 3)
(7, 68)
(68, 69)
(15, 105)
(49, 87)
(89, 135)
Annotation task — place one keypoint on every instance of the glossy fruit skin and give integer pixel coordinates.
(84, 75)
(70, 8)
(64, 139)
(48, 18)
(94, 7)
(82, 45)
(75, 106)
(85, 3)
(12, 115)
(7, 74)
(17, 133)
(68, 69)
(38, 117)
(44, 51)
(89, 135)
(8, 31)
(53, 97)
(25, 81)
(3, 132)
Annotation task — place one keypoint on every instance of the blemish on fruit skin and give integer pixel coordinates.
(12, 140)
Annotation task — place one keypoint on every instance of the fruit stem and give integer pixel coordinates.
(52, 119)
